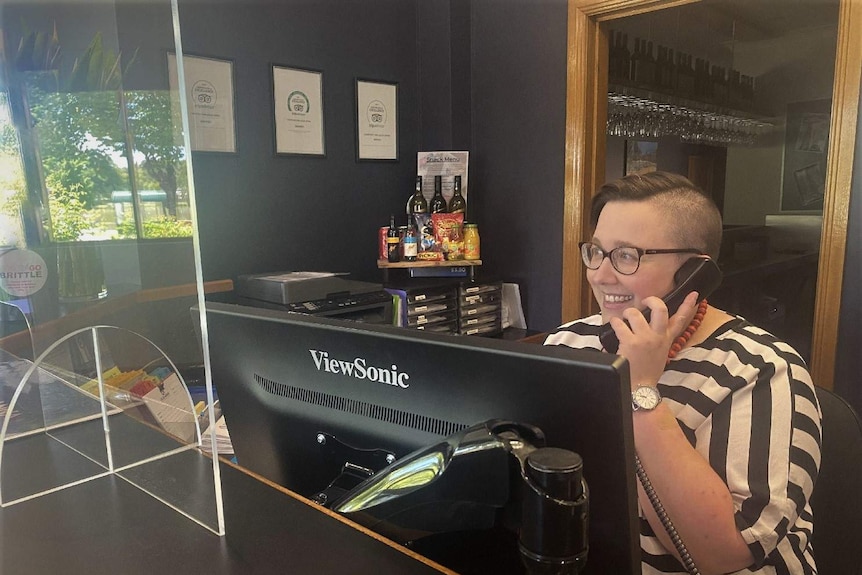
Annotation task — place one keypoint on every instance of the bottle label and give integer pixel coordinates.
(393, 253)
(411, 248)
(471, 244)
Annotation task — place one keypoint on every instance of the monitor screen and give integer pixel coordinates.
(299, 392)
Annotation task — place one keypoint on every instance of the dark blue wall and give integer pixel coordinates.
(488, 76)
(517, 158)
(259, 212)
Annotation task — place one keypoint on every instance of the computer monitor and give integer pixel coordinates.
(298, 392)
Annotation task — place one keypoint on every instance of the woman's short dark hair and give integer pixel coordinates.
(699, 221)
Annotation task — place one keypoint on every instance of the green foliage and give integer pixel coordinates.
(8, 139)
(164, 227)
(37, 51)
(8, 135)
(66, 194)
(72, 134)
(81, 121)
(154, 122)
(97, 69)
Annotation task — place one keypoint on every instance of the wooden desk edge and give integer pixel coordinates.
(110, 305)
(341, 518)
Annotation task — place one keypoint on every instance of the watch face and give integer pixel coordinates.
(646, 398)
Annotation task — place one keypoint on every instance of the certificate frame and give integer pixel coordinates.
(210, 101)
(376, 120)
(297, 109)
(806, 145)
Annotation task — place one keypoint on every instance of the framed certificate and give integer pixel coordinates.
(376, 120)
(806, 145)
(209, 96)
(297, 97)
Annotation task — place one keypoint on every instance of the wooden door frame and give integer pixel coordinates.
(586, 111)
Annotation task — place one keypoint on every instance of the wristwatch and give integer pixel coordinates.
(645, 398)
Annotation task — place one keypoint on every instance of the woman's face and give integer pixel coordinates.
(635, 224)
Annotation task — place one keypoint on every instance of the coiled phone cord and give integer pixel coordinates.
(665, 519)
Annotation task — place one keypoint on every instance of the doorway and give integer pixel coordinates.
(587, 150)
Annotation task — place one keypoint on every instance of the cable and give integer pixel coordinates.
(688, 562)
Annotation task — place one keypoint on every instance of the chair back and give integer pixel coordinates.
(837, 497)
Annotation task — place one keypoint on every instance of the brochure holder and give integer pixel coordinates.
(103, 401)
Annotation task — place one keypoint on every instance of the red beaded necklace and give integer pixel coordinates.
(680, 342)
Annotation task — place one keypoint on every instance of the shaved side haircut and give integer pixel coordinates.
(696, 218)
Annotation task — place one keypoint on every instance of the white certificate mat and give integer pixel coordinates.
(209, 101)
(376, 120)
(298, 105)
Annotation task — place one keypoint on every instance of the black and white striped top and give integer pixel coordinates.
(745, 401)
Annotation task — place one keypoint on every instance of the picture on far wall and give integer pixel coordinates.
(209, 95)
(297, 97)
(640, 156)
(376, 120)
(806, 145)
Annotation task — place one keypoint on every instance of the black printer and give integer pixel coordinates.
(316, 293)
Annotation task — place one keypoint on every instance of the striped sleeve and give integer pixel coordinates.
(579, 334)
(780, 414)
(755, 417)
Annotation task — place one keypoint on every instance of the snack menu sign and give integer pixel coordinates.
(445, 164)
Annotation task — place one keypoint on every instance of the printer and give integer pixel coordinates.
(316, 293)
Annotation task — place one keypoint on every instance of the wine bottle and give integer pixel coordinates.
(649, 67)
(457, 205)
(417, 203)
(614, 56)
(411, 243)
(438, 202)
(392, 242)
(635, 63)
(625, 60)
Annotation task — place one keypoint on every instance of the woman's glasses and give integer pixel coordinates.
(626, 260)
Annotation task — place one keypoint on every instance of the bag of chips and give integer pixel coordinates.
(448, 234)
(429, 249)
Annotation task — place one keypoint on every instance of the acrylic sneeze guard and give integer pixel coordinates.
(103, 365)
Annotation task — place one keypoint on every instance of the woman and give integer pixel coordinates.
(726, 422)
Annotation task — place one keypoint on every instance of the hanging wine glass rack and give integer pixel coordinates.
(634, 113)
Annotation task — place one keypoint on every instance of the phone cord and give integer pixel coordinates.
(665, 519)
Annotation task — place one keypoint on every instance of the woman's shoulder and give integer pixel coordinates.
(742, 349)
(747, 336)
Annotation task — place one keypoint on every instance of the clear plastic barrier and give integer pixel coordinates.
(101, 400)
(97, 229)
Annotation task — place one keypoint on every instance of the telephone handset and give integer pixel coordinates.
(700, 274)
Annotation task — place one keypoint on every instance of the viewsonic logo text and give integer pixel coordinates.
(359, 369)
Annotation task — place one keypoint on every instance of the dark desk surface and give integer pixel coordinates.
(109, 526)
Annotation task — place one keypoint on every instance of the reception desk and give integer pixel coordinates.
(109, 526)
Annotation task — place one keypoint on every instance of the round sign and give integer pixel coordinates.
(204, 94)
(22, 272)
(376, 113)
(297, 102)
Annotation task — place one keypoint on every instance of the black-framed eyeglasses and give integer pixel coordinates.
(625, 259)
